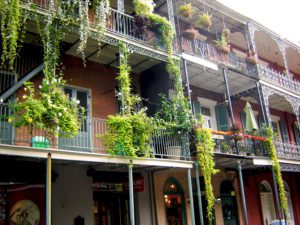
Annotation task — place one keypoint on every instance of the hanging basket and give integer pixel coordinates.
(189, 34)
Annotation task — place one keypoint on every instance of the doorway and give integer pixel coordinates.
(174, 202)
(267, 203)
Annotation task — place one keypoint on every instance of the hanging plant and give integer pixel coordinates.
(222, 44)
(270, 146)
(186, 10)
(205, 151)
(190, 33)
(84, 27)
(12, 20)
(130, 131)
(143, 7)
(204, 20)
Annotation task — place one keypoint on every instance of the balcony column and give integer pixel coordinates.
(131, 197)
(239, 168)
(277, 197)
(187, 81)
(191, 197)
(265, 94)
(171, 13)
(282, 47)
(250, 36)
(121, 7)
(199, 192)
(48, 189)
(261, 102)
(228, 95)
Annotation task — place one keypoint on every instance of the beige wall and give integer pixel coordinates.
(161, 177)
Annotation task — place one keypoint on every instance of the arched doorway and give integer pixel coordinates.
(290, 216)
(174, 202)
(267, 202)
(229, 205)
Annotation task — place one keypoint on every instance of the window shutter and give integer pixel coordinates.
(297, 134)
(222, 117)
(196, 108)
(284, 132)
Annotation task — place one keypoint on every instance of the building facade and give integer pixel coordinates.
(63, 181)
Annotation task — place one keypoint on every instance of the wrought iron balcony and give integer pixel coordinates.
(120, 24)
(282, 80)
(210, 52)
(246, 146)
(287, 150)
(164, 144)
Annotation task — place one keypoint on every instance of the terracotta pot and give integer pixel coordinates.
(189, 34)
(224, 49)
(252, 60)
(186, 13)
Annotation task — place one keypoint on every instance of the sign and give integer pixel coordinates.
(138, 186)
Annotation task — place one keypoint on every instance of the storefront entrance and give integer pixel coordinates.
(111, 209)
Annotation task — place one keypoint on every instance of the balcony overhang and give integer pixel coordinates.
(86, 157)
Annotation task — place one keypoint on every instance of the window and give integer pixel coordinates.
(208, 112)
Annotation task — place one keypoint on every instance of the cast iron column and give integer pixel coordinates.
(48, 189)
(199, 192)
(131, 198)
(261, 103)
(277, 197)
(187, 81)
(191, 196)
(228, 95)
(239, 167)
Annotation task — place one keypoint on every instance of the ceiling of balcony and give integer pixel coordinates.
(213, 80)
(293, 60)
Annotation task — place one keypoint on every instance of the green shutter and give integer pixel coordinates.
(222, 117)
(284, 132)
(196, 108)
(243, 118)
(297, 134)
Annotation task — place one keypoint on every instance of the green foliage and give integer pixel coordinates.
(186, 10)
(224, 40)
(205, 151)
(205, 20)
(130, 131)
(143, 7)
(12, 19)
(269, 144)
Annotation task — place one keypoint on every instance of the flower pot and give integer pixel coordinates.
(186, 13)
(189, 34)
(224, 49)
(173, 152)
(252, 60)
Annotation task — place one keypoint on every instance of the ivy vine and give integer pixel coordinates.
(129, 131)
(270, 146)
(205, 151)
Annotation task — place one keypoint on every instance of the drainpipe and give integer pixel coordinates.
(48, 190)
(239, 167)
(131, 198)
(277, 197)
(191, 197)
(199, 193)
(228, 94)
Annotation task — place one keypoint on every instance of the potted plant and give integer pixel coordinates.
(204, 20)
(143, 7)
(222, 44)
(186, 10)
(190, 33)
(252, 57)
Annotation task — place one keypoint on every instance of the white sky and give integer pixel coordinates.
(283, 17)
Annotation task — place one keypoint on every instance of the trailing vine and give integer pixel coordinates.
(129, 131)
(205, 151)
(269, 144)
(12, 20)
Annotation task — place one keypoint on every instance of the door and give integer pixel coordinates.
(267, 205)
(83, 140)
(111, 209)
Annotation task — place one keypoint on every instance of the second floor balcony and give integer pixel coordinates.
(163, 144)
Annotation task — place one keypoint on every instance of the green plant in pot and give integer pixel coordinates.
(186, 10)
(190, 33)
(222, 44)
(252, 57)
(204, 20)
(143, 7)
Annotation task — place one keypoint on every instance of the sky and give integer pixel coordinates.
(283, 17)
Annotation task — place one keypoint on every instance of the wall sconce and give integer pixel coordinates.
(218, 200)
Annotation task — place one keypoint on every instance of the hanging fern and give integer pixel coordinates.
(205, 151)
(269, 144)
(11, 23)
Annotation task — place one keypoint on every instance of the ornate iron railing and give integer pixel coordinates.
(209, 52)
(164, 144)
(287, 150)
(279, 79)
